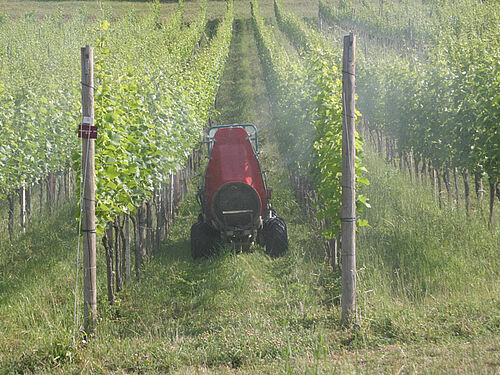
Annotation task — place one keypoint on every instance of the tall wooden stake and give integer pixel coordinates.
(493, 193)
(127, 249)
(23, 207)
(11, 216)
(348, 211)
(88, 168)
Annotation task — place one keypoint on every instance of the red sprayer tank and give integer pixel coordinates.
(234, 197)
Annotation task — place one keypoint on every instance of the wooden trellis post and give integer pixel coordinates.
(88, 133)
(348, 211)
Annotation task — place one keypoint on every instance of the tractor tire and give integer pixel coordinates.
(260, 238)
(204, 240)
(275, 236)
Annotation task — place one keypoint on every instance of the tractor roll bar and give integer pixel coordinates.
(251, 137)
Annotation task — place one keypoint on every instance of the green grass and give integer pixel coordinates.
(428, 285)
(237, 94)
(247, 313)
(36, 292)
(427, 274)
(18, 8)
(42, 9)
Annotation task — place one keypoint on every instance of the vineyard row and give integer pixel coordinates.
(439, 108)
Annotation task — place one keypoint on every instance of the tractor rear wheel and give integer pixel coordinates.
(204, 240)
(275, 236)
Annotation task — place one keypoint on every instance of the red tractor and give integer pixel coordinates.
(234, 198)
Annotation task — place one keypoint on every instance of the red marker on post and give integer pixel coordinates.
(86, 129)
